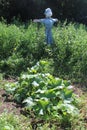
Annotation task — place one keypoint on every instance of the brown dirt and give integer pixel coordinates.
(8, 105)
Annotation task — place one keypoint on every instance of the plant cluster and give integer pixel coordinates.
(44, 96)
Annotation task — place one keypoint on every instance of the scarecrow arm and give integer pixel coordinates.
(36, 20)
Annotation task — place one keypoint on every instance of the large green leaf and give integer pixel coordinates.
(29, 102)
(43, 102)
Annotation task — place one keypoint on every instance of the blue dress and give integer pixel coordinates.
(48, 23)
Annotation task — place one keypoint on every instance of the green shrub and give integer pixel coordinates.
(70, 52)
(9, 39)
(19, 47)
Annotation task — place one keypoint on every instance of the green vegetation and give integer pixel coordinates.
(42, 75)
(22, 46)
(13, 122)
(47, 97)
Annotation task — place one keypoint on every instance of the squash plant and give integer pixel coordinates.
(44, 95)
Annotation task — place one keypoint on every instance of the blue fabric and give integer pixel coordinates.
(48, 23)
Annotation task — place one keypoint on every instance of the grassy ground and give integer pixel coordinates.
(81, 92)
(10, 108)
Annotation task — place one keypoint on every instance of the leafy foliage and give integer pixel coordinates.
(44, 95)
(69, 56)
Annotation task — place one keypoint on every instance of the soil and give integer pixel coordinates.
(8, 105)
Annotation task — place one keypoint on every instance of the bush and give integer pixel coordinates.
(19, 48)
(69, 57)
(9, 39)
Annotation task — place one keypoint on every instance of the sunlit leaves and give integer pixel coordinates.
(44, 94)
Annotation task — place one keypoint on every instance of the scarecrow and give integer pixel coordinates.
(48, 23)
